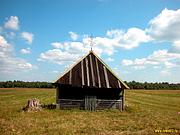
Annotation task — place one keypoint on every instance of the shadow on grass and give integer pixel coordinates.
(49, 106)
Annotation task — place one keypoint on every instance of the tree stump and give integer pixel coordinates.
(33, 105)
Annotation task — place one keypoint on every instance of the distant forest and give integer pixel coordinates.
(132, 85)
(22, 84)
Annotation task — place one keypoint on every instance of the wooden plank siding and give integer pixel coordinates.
(97, 104)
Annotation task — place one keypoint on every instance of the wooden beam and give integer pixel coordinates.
(82, 72)
(57, 95)
(119, 84)
(92, 71)
(70, 77)
(123, 99)
(98, 76)
(87, 72)
(106, 77)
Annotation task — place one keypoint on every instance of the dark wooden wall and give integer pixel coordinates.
(76, 97)
(69, 92)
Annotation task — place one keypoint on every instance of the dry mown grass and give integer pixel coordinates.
(146, 112)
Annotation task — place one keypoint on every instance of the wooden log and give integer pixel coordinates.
(87, 72)
(98, 75)
(70, 77)
(106, 77)
(92, 70)
(82, 72)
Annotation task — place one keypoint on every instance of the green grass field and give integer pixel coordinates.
(146, 111)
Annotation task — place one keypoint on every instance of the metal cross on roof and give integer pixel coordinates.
(91, 42)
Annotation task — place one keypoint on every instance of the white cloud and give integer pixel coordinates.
(9, 63)
(57, 56)
(163, 56)
(12, 23)
(160, 57)
(126, 62)
(73, 35)
(128, 40)
(25, 51)
(120, 39)
(175, 47)
(106, 44)
(75, 47)
(28, 37)
(67, 52)
(165, 26)
(114, 33)
(25, 65)
(57, 45)
(169, 64)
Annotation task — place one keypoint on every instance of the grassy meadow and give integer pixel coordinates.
(146, 111)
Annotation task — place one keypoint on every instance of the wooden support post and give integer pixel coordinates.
(57, 95)
(106, 77)
(97, 68)
(122, 99)
(70, 77)
(87, 71)
(57, 98)
(92, 71)
(82, 71)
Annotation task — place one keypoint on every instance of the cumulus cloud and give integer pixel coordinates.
(114, 33)
(126, 62)
(175, 47)
(160, 57)
(28, 37)
(25, 51)
(57, 56)
(169, 64)
(73, 35)
(57, 45)
(12, 23)
(75, 47)
(165, 26)
(68, 52)
(129, 39)
(9, 63)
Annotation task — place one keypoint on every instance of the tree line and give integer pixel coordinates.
(132, 85)
(22, 84)
(153, 86)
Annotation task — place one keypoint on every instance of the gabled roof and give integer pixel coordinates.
(91, 71)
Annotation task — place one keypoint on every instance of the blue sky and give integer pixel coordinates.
(139, 40)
